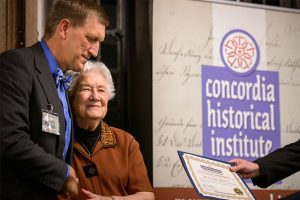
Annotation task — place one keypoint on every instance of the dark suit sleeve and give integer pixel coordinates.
(18, 152)
(278, 165)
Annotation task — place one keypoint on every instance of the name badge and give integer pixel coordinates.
(50, 122)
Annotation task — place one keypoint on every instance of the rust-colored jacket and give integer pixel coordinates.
(119, 162)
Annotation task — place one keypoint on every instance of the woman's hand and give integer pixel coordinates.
(92, 196)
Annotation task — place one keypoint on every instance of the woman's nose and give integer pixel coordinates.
(95, 96)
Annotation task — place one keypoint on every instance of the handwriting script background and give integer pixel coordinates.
(187, 34)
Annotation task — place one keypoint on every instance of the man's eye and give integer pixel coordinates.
(92, 39)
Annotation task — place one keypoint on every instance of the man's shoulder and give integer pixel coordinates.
(26, 51)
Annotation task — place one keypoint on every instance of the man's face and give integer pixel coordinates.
(81, 43)
(90, 98)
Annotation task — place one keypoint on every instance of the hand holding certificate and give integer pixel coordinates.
(213, 179)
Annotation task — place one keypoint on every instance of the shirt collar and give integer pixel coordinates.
(53, 65)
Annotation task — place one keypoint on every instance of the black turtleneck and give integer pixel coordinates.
(87, 139)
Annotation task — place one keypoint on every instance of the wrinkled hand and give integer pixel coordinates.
(92, 196)
(245, 168)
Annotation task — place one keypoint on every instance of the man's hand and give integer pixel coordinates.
(245, 168)
(70, 187)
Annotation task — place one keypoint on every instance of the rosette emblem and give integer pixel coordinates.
(239, 52)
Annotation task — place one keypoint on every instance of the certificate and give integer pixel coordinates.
(213, 179)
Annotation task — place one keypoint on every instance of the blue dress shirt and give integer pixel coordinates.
(56, 73)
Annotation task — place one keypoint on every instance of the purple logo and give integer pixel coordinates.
(240, 105)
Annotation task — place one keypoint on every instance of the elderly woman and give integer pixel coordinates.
(107, 160)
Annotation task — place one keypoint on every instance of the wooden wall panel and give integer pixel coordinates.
(31, 32)
(2, 25)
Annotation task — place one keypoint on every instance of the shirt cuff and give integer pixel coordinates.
(68, 172)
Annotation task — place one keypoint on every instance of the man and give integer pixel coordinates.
(275, 166)
(35, 121)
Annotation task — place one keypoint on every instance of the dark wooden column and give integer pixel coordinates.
(140, 76)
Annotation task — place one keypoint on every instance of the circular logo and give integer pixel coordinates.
(238, 191)
(239, 52)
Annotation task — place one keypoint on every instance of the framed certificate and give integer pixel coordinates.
(212, 178)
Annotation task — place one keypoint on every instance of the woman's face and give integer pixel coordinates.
(90, 98)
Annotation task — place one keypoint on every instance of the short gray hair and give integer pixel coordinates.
(98, 67)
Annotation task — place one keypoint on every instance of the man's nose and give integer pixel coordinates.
(93, 50)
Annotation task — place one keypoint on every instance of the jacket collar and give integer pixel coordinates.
(108, 139)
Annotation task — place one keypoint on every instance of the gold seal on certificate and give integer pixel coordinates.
(213, 179)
